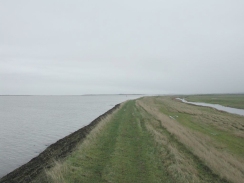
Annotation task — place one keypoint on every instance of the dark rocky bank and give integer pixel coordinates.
(33, 170)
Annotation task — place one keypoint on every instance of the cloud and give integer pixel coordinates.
(76, 47)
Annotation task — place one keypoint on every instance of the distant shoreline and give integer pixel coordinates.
(73, 95)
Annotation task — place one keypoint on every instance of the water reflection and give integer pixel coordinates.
(216, 106)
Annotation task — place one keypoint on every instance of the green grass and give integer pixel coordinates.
(135, 159)
(229, 141)
(170, 159)
(123, 152)
(229, 100)
(127, 148)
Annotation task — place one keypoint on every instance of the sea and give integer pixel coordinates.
(29, 124)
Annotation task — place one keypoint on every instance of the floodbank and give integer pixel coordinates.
(141, 143)
(59, 150)
(151, 139)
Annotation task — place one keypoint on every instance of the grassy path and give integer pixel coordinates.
(134, 157)
(123, 152)
(140, 143)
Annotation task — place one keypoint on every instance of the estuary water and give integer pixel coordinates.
(216, 106)
(28, 124)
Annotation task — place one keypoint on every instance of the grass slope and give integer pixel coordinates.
(158, 139)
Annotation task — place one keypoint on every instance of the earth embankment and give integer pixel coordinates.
(59, 150)
(151, 139)
(158, 139)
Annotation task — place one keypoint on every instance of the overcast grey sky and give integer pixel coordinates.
(129, 46)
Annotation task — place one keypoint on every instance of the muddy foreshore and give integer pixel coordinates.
(30, 171)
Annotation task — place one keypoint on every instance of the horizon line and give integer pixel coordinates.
(119, 94)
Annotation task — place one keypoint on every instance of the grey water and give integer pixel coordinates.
(217, 106)
(28, 124)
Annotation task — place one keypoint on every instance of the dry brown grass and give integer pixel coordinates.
(221, 120)
(178, 165)
(56, 173)
(222, 163)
